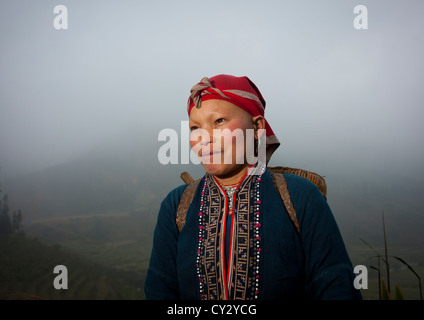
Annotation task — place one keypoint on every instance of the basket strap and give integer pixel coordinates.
(186, 177)
(277, 178)
(185, 201)
(281, 185)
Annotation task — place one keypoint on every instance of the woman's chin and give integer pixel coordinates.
(215, 169)
(222, 170)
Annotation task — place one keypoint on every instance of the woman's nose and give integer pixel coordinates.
(207, 137)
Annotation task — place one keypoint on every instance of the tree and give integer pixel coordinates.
(19, 220)
(5, 224)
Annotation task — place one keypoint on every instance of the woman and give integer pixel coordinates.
(237, 239)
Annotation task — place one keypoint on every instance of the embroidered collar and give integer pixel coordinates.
(240, 279)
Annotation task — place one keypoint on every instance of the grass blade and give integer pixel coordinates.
(414, 272)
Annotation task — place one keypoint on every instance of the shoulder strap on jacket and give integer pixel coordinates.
(185, 201)
(281, 185)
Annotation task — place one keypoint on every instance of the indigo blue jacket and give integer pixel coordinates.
(312, 264)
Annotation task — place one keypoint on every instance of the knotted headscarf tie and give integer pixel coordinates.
(200, 89)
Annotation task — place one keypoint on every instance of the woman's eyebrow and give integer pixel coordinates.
(209, 116)
(192, 122)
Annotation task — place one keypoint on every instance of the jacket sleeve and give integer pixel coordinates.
(161, 279)
(329, 272)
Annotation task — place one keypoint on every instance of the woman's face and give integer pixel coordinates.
(218, 136)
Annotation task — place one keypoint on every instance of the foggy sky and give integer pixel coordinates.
(335, 95)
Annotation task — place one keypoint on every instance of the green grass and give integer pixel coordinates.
(399, 274)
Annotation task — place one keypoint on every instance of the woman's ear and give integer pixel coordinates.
(258, 123)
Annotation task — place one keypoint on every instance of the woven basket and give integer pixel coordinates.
(311, 176)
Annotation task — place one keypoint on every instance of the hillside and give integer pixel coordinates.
(27, 266)
(122, 181)
(102, 207)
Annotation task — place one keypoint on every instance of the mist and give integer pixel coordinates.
(341, 94)
(345, 103)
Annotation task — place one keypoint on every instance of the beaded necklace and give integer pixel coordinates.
(230, 193)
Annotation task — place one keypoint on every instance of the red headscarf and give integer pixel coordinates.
(240, 91)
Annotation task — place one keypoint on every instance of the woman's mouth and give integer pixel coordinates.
(210, 155)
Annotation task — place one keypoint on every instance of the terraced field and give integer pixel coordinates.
(106, 257)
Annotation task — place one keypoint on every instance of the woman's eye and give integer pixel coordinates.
(220, 120)
(193, 128)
